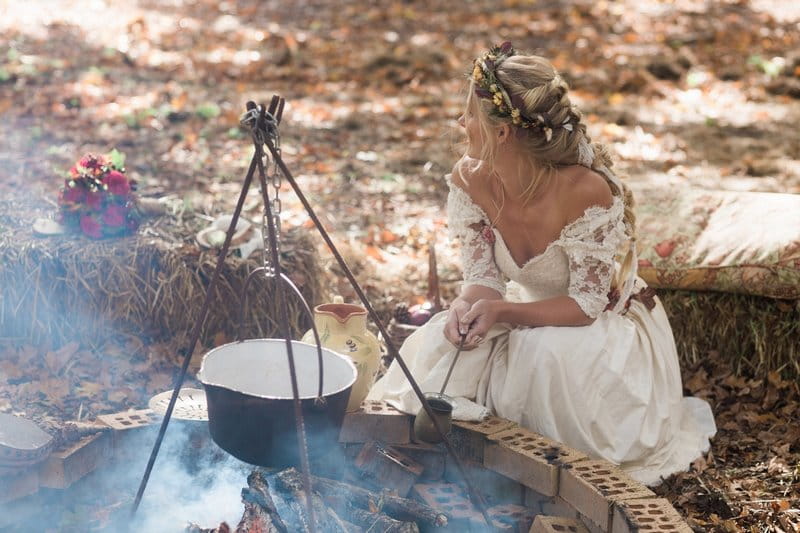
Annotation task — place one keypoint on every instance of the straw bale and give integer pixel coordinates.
(756, 334)
(69, 287)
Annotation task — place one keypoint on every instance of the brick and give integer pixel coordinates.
(387, 468)
(590, 525)
(512, 517)
(431, 457)
(130, 419)
(19, 485)
(376, 420)
(548, 505)
(529, 458)
(67, 465)
(592, 487)
(452, 500)
(469, 438)
(495, 488)
(651, 514)
(557, 524)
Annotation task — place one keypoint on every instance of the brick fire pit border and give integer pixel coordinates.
(545, 476)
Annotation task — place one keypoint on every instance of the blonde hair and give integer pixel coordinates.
(542, 90)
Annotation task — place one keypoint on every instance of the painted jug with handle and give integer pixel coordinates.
(342, 328)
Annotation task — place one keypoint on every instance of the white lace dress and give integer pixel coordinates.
(611, 389)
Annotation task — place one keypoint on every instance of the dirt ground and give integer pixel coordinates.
(693, 93)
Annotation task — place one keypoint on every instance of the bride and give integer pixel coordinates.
(559, 334)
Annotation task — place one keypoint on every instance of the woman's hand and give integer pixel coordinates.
(458, 309)
(478, 321)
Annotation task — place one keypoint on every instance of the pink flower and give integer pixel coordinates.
(73, 171)
(91, 227)
(115, 216)
(91, 161)
(488, 234)
(117, 183)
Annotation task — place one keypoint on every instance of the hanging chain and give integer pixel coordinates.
(263, 132)
(274, 177)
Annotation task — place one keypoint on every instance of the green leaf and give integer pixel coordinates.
(208, 111)
(117, 158)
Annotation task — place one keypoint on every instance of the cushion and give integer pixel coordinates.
(730, 241)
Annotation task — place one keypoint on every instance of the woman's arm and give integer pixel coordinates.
(484, 313)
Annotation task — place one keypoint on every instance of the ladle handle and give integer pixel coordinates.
(453, 364)
(307, 309)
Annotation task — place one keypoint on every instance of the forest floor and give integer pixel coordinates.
(686, 92)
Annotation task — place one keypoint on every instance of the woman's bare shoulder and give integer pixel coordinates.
(587, 188)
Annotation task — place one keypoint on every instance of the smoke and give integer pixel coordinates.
(192, 481)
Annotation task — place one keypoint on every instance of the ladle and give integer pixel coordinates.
(441, 405)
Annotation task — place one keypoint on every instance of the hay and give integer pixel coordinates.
(65, 288)
(757, 335)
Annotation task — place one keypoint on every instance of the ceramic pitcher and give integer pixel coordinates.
(343, 328)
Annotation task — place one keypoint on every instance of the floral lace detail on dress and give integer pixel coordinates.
(591, 243)
(469, 224)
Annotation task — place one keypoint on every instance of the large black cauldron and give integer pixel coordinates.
(250, 402)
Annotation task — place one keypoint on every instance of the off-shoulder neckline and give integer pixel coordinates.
(590, 210)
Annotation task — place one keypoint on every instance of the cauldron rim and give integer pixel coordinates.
(343, 358)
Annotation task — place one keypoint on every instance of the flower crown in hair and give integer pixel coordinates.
(488, 86)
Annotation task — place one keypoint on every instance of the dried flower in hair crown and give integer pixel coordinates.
(489, 87)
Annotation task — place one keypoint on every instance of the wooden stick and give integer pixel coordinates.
(402, 509)
(369, 520)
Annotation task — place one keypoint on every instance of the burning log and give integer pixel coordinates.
(396, 507)
(257, 492)
(368, 520)
(288, 482)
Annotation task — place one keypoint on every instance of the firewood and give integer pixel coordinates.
(257, 491)
(289, 482)
(256, 519)
(369, 520)
(401, 509)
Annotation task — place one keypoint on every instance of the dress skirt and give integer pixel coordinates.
(611, 389)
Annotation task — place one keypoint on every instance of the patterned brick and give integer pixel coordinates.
(511, 517)
(452, 500)
(557, 524)
(592, 487)
(529, 458)
(130, 419)
(376, 420)
(469, 438)
(652, 514)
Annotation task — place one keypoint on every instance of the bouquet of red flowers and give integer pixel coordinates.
(98, 198)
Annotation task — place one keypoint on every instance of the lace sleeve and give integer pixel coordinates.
(591, 243)
(465, 220)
